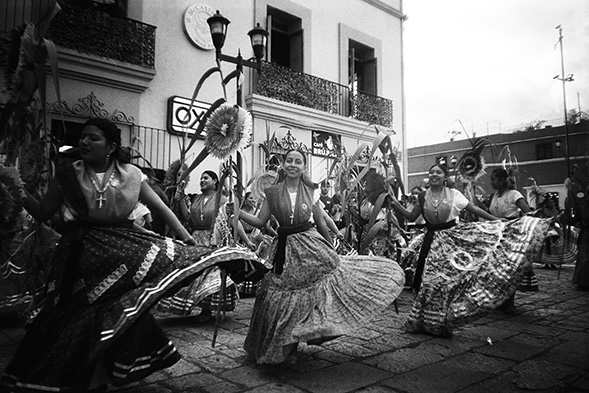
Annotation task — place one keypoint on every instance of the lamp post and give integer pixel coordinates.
(564, 80)
(258, 38)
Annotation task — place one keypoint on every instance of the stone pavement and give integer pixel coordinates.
(544, 347)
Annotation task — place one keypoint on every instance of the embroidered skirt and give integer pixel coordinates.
(473, 268)
(204, 292)
(318, 296)
(97, 307)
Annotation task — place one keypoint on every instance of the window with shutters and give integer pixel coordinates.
(285, 42)
(362, 68)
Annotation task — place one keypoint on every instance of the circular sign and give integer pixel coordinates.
(196, 26)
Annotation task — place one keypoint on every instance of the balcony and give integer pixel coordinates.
(282, 83)
(100, 34)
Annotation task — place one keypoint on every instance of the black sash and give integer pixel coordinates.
(425, 248)
(76, 230)
(283, 232)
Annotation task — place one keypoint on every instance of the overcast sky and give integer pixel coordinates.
(489, 64)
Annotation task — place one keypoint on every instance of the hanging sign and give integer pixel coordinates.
(182, 118)
(325, 144)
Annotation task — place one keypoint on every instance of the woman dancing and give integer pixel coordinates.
(311, 294)
(472, 267)
(95, 326)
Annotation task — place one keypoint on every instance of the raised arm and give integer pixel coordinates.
(155, 203)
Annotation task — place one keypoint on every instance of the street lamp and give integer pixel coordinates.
(258, 38)
(564, 80)
(558, 144)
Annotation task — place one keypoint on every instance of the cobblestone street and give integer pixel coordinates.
(544, 347)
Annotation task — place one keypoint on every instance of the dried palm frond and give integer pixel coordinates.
(11, 200)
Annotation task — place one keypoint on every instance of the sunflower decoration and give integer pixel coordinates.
(228, 130)
(11, 200)
(471, 165)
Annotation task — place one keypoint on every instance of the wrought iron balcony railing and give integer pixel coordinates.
(282, 83)
(99, 33)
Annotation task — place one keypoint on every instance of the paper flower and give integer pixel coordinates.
(171, 178)
(227, 130)
(261, 182)
(11, 200)
(471, 166)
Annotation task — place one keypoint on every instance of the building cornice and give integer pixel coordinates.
(386, 8)
(107, 72)
(265, 108)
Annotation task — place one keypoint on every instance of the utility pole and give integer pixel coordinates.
(564, 80)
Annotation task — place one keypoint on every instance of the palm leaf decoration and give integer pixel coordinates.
(11, 201)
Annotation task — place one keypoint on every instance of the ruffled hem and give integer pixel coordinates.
(472, 269)
(337, 304)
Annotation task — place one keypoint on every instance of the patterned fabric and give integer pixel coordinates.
(203, 293)
(106, 311)
(318, 296)
(104, 279)
(475, 267)
(558, 250)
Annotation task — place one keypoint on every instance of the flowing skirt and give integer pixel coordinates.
(202, 293)
(559, 247)
(473, 268)
(103, 282)
(318, 297)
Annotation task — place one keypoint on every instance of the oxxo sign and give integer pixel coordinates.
(184, 118)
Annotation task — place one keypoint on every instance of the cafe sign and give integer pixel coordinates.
(326, 144)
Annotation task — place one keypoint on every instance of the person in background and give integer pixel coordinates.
(95, 326)
(325, 198)
(157, 223)
(465, 270)
(141, 216)
(200, 217)
(311, 294)
(555, 241)
(510, 204)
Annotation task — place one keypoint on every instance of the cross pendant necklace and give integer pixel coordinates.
(100, 199)
(436, 202)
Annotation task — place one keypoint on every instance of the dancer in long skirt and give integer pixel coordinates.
(95, 327)
(508, 203)
(472, 267)
(311, 294)
(201, 217)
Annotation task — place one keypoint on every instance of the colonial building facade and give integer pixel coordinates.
(332, 73)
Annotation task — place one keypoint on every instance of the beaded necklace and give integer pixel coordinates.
(436, 202)
(100, 199)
